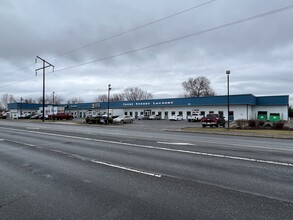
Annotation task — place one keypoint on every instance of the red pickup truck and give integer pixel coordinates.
(213, 120)
(60, 116)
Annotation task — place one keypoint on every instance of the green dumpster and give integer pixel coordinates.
(275, 117)
(262, 116)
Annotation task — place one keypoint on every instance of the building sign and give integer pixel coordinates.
(148, 103)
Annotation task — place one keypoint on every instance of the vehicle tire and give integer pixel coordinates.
(189, 120)
(203, 126)
(217, 125)
(131, 121)
(121, 122)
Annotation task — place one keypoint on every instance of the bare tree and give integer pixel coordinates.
(11, 99)
(290, 111)
(40, 99)
(5, 99)
(29, 100)
(113, 98)
(58, 99)
(102, 98)
(197, 87)
(75, 100)
(117, 97)
(135, 93)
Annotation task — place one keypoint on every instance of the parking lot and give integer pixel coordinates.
(153, 124)
(164, 124)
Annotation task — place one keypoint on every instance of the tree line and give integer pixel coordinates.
(194, 87)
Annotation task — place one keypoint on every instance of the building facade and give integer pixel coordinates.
(245, 106)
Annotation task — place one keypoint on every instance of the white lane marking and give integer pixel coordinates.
(164, 149)
(126, 168)
(247, 146)
(1, 139)
(32, 128)
(21, 143)
(174, 143)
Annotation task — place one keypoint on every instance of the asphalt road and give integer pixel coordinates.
(140, 171)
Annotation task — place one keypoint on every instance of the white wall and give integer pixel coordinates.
(240, 111)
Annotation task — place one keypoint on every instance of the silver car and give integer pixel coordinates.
(123, 119)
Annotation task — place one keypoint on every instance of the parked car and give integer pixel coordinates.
(123, 119)
(98, 119)
(194, 117)
(140, 117)
(61, 116)
(3, 115)
(176, 118)
(145, 117)
(154, 117)
(25, 116)
(213, 120)
(37, 116)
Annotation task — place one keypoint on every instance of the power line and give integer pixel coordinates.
(17, 70)
(133, 29)
(119, 34)
(184, 37)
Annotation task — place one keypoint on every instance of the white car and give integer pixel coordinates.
(194, 117)
(176, 118)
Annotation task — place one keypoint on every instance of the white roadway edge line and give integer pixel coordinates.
(247, 146)
(126, 168)
(165, 149)
(176, 143)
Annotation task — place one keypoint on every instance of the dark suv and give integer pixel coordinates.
(213, 120)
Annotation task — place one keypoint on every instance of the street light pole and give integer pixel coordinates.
(228, 96)
(109, 88)
(53, 105)
(20, 106)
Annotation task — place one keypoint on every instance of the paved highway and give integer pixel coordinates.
(140, 171)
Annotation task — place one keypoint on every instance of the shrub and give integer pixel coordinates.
(252, 123)
(261, 123)
(241, 123)
(278, 125)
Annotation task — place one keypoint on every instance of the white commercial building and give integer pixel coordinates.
(246, 106)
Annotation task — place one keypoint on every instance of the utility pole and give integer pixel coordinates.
(109, 89)
(53, 105)
(20, 106)
(45, 65)
(228, 96)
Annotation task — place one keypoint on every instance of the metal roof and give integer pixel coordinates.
(245, 99)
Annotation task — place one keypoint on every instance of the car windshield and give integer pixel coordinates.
(211, 116)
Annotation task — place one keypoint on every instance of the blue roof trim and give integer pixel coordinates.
(19, 105)
(177, 102)
(272, 100)
(246, 99)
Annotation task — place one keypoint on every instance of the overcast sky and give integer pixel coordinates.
(258, 51)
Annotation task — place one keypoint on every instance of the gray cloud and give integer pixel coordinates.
(258, 52)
